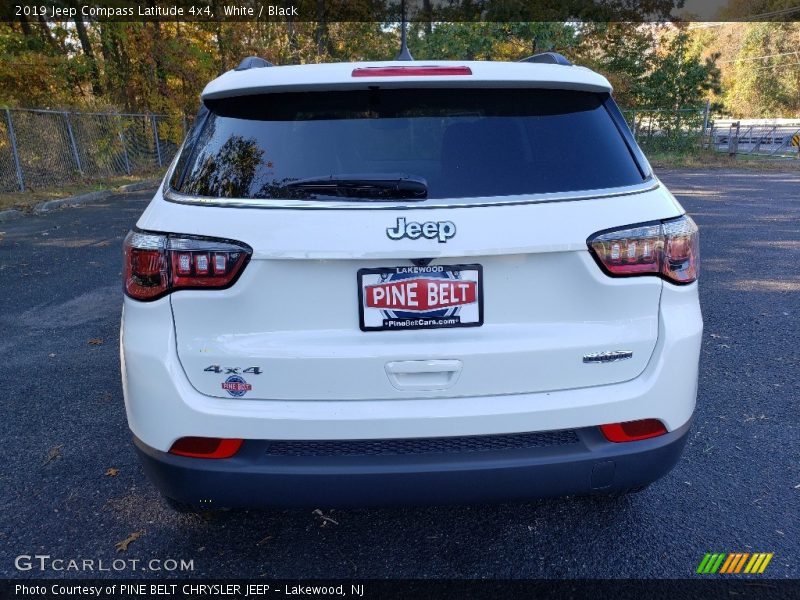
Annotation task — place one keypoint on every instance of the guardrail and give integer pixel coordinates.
(778, 138)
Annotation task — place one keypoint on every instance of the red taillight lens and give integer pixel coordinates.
(205, 263)
(669, 249)
(420, 71)
(157, 264)
(203, 447)
(146, 273)
(632, 431)
(681, 262)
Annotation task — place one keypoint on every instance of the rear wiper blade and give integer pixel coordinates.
(372, 186)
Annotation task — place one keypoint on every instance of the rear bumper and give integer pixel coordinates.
(327, 475)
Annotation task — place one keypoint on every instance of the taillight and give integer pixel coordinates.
(632, 431)
(203, 447)
(146, 271)
(669, 249)
(157, 264)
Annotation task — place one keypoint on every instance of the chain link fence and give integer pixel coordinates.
(668, 129)
(46, 148)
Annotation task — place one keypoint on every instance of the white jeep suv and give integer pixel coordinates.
(409, 282)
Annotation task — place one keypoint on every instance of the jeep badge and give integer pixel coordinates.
(440, 230)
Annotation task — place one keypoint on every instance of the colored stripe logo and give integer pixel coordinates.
(734, 562)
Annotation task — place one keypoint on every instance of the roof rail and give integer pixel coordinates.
(253, 62)
(550, 58)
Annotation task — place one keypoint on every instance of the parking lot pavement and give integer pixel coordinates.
(62, 426)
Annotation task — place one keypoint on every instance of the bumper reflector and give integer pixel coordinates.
(203, 447)
(632, 431)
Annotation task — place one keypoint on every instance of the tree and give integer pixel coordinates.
(489, 40)
(624, 53)
(678, 77)
(162, 67)
(764, 76)
(678, 83)
(88, 52)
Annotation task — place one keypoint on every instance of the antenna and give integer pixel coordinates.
(404, 54)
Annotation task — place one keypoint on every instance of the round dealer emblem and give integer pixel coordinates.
(236, 386)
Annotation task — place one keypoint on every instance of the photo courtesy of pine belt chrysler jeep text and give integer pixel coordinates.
(409, 282)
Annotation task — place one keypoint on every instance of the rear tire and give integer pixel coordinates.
(181, 507)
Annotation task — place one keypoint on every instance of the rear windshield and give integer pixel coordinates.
(459, 142)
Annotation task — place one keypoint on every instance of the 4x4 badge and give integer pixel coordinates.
(439, 230)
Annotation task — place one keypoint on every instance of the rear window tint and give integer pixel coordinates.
(462, 142)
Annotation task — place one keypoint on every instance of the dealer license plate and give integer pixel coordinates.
(430, 297)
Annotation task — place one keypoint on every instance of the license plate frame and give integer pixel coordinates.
(468, 313)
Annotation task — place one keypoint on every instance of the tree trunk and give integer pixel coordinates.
(294, 57)
(222, 49)
(86, 45)
(158, 54)
(321, 29)
(48, 36)
(105, 51)
(427, 12)
(117, 64)
(26, 27)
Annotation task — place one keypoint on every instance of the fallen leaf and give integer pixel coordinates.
(324, 518)
(112, 472)
(95, 341)
(55, 453)
(123, 545)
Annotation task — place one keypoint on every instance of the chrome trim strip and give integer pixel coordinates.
(172, 196)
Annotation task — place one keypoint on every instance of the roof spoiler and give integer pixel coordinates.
(548, 58)
(253, 62)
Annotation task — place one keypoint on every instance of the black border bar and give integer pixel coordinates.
(388, 11)
(704, 587)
